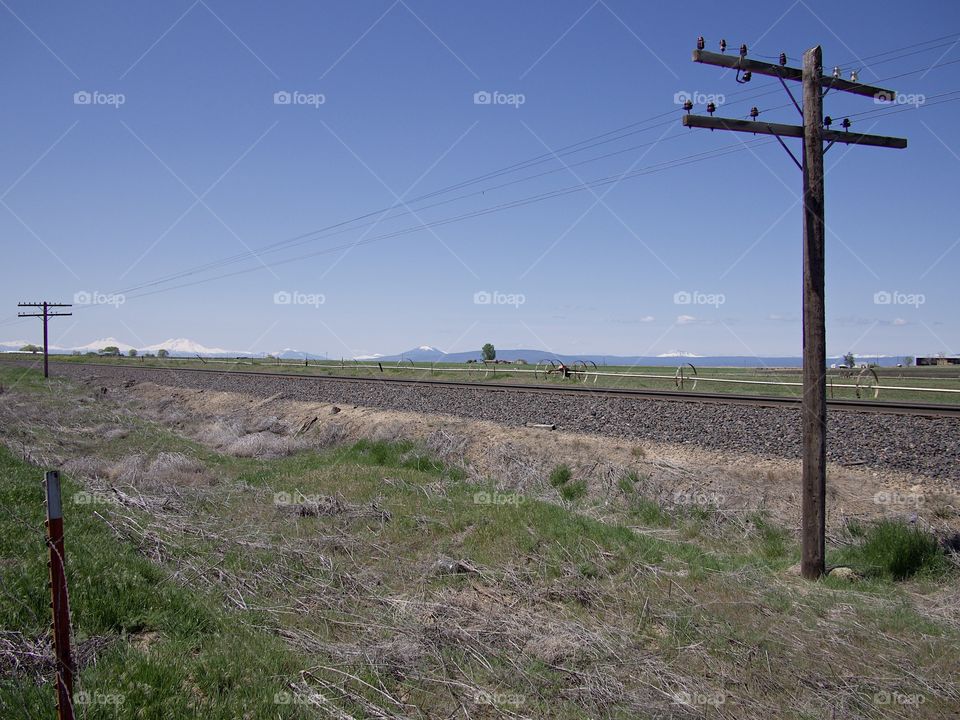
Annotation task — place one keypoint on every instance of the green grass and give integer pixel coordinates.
(893, 550)
(202, 663)
(560, 475)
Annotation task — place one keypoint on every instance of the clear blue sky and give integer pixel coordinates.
(199, 163)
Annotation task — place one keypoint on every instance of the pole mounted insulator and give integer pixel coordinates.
(783, 58)
(754, 112)
(711, 108)
(723, 46)
(743, 50)
(701, 43)
(688, 105)
(846, 124)
(827, 121)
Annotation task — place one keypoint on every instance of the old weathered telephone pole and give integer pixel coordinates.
(814, 131)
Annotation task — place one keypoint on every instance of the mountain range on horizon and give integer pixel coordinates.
(184, 347)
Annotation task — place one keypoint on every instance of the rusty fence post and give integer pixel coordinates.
(59, 600)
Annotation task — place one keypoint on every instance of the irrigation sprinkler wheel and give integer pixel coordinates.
(866, 380)
(680, 377)
(544, 369)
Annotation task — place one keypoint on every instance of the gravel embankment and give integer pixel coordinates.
(928, 446)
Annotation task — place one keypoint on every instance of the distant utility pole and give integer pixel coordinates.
(814, 131)
(45, 315)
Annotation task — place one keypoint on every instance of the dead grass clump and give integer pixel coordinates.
(87, 466)
(264, 445)
(387, 432)
(447, 446)
(174, 468)
(129, 469)
(514, 467)
(219, 434)
(331, 434)
(266, 423)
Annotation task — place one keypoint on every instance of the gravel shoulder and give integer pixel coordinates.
(928, 447)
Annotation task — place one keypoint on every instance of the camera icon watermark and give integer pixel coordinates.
(283, 697)
(95, 97)
(685, 297)
(84, 497)
(715, 699)
(484, 697)
(895, 297)
(483, 97)
(698, 98)
(885, 98)
(95, 297)
(295, 297)
(885, 697)
(496, 498)
(698, 498)
(495, 297)
(295, 97)
(898, 499)
(287, 499)
(85, 697)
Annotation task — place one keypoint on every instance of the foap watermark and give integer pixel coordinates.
(483, 97)
(698, 98)
(698, 498)
(898, 499)
(295, 297)
(716, 699)
(484, 697)
(283, 697)
(685, 297)
(85, 497)
(85, 697)
(286, 499)
(95, 97)
(496, 498)
(495, 297)
(296, 97)
(885, 697)
(895, 297)
(885, 98)
(98, 298)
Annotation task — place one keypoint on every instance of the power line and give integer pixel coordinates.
(601, 182)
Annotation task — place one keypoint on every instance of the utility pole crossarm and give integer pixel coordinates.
(736, 62)
(765, 128)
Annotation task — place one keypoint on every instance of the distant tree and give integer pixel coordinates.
(90, 353)
(849, 360)
(161, 353)
(110, 350)
(31, 349)
(489, 352)
(131, 352)
(908, 361)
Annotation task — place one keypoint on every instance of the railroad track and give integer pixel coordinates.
(862, 406)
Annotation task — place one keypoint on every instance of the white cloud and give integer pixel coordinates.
(685, 319)
(899, 321)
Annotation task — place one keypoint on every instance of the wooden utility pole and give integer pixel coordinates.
(58, 595)
(814, 404)
(814, 131)
(45, 314)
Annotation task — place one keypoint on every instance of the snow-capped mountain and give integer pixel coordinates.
(98, 345)
(184, 346)
(678, 353)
